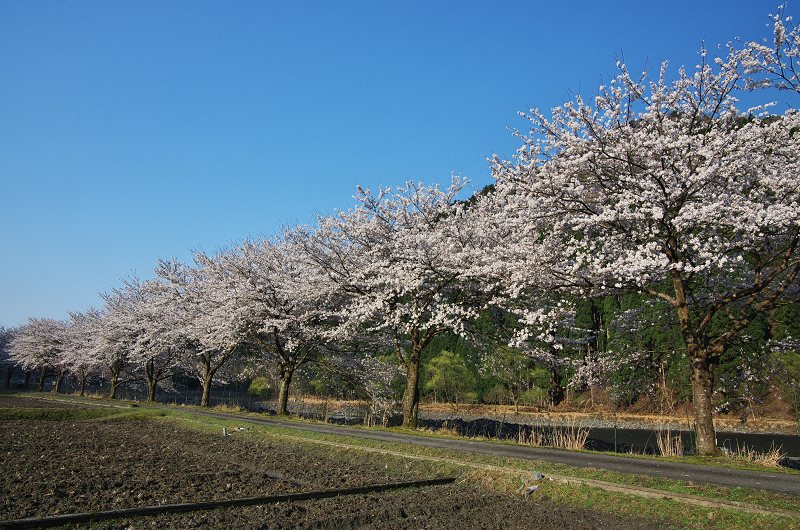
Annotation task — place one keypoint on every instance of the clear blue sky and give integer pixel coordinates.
(137, 130)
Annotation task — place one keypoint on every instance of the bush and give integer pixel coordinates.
(451, 379)
(259, 388)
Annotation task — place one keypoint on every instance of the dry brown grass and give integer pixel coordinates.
(535, 438)
(571, 437)
(444, 431)
(224, 407)
(771, 458)
(669, 445)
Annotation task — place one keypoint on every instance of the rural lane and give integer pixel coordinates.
(721, 476)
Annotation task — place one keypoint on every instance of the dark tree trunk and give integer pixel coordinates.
(208, 377)
(9, 373)
(702, 374)
(152, 381)
(283, 392)
(151, 391)
(411, 395)
(702, 389)
(41, 380)
(556, 389)
(209, 369)
(112, 393)
(116, 372)
(59, 378)
(207, 381)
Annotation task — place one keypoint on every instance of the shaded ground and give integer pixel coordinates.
(59, 467)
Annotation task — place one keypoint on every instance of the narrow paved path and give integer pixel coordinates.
(722, 476)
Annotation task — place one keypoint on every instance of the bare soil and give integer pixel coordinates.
(60, 467)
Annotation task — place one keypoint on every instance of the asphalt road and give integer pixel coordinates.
(721, 476)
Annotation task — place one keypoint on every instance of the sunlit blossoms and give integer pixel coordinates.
(406, 260)
(664, 187)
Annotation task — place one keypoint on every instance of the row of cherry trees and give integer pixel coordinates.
(252, 305)
(660, 187)
(326, 295)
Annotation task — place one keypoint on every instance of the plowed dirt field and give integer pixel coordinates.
(55, 467)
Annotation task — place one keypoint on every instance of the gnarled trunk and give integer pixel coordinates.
(702, 373)
(152, 382)
(208, 376)
(209, 369)
(112, 393)
(207, 382)
(283, 392)
(702, 388)
(411, 395)
(41, 379)
(151, 391)
(116, 369)
(59, 378)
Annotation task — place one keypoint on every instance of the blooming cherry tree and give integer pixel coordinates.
(39, 345)
(774, 63)
(274, 301)
(83, 330)
(155, 348)
(405, 259)
(664, 187)
(195, 298)
(6, 362)
(115, 339)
